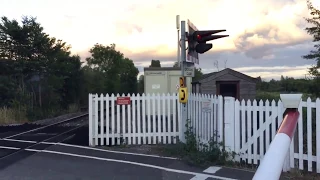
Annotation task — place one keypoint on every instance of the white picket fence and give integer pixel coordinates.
(247, 128)
(150, 119)
(256, 123)
(206, 117)
(137, 123)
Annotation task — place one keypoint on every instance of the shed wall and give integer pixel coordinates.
(247, 88)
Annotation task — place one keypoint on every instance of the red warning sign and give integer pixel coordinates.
(123, 100)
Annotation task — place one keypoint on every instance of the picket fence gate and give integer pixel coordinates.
(256, 123)
(245, 127)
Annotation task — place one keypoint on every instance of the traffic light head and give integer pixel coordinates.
(203, 47)
(204, 36)
(200, 38)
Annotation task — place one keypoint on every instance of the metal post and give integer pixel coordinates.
(178, 41)
(178, 31)
(184, 113)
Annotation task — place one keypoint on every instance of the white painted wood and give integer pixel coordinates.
(153, 122)
(102, 119)
(249, 123)
(134, 128)
(169, 118)
(165, 118)
(220, 118)
(255, 132)
(144, 140)
(261, 132)
(107, 98)
(194, 114)
(130, 133)
(148, 119)
(117, 134)
(309, 134)
(113, 130)
(139, 124)
(123, 120)
(237, 132)
(91, 114)
(318, 134)
(300, 136)
(96, 118)
(159, 118)
(243, 131)
(174, 119)
(268, 120)
(104, 113)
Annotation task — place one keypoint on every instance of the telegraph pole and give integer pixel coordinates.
(178, 36)
(184, 112)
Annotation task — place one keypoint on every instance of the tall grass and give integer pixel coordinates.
(72, 108)
(17, 116)
(12, 116)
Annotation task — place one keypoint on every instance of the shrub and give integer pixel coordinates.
(196, 153)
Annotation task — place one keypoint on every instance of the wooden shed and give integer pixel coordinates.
(227, 82)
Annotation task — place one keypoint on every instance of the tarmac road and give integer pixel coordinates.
(63, 161)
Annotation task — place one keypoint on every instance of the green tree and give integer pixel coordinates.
(314, 31)
(112, 71)
(36, 63)
(155, 63)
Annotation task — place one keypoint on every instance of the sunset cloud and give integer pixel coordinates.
(261, 33)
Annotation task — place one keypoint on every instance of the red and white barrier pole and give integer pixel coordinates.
(271, 166)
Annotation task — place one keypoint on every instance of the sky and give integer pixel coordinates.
(266, 38)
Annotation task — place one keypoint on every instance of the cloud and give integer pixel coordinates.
(261, 33)
(125, 28)
(278, 27)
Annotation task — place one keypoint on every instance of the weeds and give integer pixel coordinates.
(21, 115)
(201, 154)
(12, 116)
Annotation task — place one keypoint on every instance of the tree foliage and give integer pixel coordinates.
(314, 31)
(155, 63)
(40, 76)
(270, 90)
(115, 72)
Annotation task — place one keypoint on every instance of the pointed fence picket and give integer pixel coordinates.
(247, 127)
(255, 126)
(148, 119)
(256, 123)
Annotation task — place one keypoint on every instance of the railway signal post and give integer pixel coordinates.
(197, 44)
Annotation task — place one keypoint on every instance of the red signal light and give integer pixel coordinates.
(198, 37)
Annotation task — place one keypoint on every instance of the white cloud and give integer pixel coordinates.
(146, 29)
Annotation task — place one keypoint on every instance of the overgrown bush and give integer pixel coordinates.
(196, 153)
